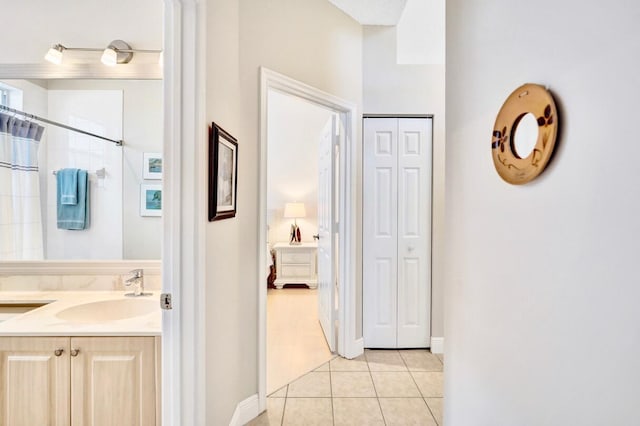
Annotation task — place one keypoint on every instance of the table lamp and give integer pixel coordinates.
(294, 211)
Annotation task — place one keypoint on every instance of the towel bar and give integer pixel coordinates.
(100, 173)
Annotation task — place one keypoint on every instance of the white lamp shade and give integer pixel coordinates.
(109, 57)
(54, 55)
(294, 210)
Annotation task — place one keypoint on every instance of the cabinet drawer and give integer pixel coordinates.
(292, 271)
(296, 257)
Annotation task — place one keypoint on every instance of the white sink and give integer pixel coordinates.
(109, 310)
(9, 310)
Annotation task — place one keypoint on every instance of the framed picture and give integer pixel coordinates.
(152, 165)
(223, 174)
(150, 199)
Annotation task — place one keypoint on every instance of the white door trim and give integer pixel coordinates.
(183, 343)
(348, 345)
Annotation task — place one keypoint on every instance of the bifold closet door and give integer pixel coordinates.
(380, 233)
(397, 232)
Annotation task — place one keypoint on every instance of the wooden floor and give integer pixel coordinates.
(295, 342)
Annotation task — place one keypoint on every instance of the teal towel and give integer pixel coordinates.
(68, 186)
(76, 216)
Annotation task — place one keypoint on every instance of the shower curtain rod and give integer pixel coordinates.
(64, 126)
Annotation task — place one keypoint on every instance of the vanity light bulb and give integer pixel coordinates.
(109, 57)
(54, 55)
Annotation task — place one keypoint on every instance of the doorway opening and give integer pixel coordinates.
(336, 218)
(296, 343)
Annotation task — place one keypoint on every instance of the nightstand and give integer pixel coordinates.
(296, 264)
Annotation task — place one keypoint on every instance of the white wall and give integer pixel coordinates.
(294, 128)
(142, 132)
(311, 41)
(36, 25)
(100, 112)
(390, 88)
(542, 293)
(420, 33)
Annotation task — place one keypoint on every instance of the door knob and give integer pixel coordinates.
(411, 248)
(58, 351)
(316, 237)
(75, 352)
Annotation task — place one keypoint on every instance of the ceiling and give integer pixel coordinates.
(372, 12)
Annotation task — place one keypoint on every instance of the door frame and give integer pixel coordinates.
(348, 345)
(182, 264)
(184, 213)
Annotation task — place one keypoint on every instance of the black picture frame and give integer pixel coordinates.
(223, 174)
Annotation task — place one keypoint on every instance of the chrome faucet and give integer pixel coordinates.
(138, 280)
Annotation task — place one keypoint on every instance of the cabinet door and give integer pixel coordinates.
(34, 381)
(113, 381)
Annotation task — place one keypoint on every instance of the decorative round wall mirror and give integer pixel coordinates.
(524, 134)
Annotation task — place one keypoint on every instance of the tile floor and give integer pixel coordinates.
(295, 341)
(382, 387)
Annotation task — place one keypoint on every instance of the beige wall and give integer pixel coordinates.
(230, 317)
(390, 88)
(311, 41)
(542, 318)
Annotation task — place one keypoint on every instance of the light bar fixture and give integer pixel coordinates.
(54, 55)
(118, 52)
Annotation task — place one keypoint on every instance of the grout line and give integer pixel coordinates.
(371, 377)
(359, 397)
(414, 382)
(438, 358)
(384, 420)
(430, 412)
(404, 362)
(333, 414)
(284, 407)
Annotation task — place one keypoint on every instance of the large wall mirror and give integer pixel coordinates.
(124, 102)
(119, 224)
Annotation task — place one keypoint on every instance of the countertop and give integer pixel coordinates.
(43, 321)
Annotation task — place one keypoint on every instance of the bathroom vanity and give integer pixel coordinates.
(79, 358)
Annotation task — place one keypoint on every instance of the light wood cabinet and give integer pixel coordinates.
(78, 381)
(113, 381)
(34, 381)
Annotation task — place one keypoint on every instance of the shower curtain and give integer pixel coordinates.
(20, 214)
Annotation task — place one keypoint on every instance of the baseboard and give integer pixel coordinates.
(246, 411)
(355, 349)
(437, 345)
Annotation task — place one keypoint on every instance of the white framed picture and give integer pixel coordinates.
(152, 165)
(150, 199)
